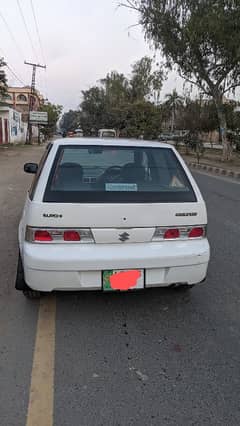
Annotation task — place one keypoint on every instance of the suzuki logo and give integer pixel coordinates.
(124, 236)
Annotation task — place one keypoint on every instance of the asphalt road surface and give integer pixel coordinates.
(154, 358)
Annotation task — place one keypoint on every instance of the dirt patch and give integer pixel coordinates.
(213, 158)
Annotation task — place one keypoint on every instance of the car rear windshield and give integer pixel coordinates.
(117, 174)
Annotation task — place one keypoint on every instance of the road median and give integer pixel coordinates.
(214, 169)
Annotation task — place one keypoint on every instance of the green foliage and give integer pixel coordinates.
(237, 143)
(193, 142)
(144, 82)
(232, 117)
(201, 38)
(173, 103)
(142, 118)
(116, 89)
(3, 80)
(54, 113)
(70, 120)
(123, 103)
(197, 36)
(93, 110)
(199, 116)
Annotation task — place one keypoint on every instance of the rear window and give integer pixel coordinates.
(115, 174)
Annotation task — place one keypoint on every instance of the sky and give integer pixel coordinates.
(80, 42)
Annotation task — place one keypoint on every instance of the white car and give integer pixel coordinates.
(107, 133)
(78, 133)
(111, 215)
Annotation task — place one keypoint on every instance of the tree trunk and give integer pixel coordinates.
(172, 121)
(227, 149)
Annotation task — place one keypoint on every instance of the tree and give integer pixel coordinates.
(116, 87)
(54, 113)
(144, 82)
(110, 105)
(3, 80)
(93, 110)
(198, 116)
(117, 96)
(141, 118)
(232, 117)
(174, 102)
(70, 120)
(201, 38)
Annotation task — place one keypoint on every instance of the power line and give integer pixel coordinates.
(40, 44)
(15, 75)
(38, 32)
(26, 28)
(11, 69)
(19, 50)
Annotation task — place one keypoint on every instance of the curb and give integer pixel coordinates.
(216, 170)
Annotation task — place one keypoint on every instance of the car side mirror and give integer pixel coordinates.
(31, 168)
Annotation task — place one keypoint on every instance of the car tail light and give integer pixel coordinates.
(42, 236)
(196, 232)
(71, 236)
(171, 234)
(181, 233)
(58, 235)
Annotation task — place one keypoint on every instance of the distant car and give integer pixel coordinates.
(173, 136)
(166, 136)
(107, 133)
(78, 133)
(111, 216)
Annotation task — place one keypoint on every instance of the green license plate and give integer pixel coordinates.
(123, 280)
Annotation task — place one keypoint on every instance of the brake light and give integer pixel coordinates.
(196, 232)
(182, 233)
(42, 236)
(71, 236)
(58, 235)
(171, 234)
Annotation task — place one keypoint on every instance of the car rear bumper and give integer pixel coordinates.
(79, 267)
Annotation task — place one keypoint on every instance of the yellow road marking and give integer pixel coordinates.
(41, 400)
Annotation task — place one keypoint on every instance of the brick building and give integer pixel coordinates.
(14, 114)
(18, 98)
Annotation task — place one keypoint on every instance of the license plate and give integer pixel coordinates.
(123, 280)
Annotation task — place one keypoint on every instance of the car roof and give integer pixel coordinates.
(111, 142)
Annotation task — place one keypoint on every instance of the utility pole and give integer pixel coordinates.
(29, 128)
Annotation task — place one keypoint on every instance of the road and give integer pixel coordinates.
(153, 358)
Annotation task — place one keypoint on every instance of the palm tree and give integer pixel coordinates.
(173, 102)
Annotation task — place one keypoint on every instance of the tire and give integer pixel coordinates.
(21, 284)
(183, 288)
(31, 294)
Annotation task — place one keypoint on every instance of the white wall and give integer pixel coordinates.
(4, 115)
(16, 129)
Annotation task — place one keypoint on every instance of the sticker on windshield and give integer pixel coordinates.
(121, 187)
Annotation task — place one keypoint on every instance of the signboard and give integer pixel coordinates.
(38, 117)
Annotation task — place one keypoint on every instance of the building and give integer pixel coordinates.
(12, 129)
(14, 112)
(18, 98)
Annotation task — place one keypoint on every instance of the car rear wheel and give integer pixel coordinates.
(21, 283)
(31, 294)
(183, 287)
